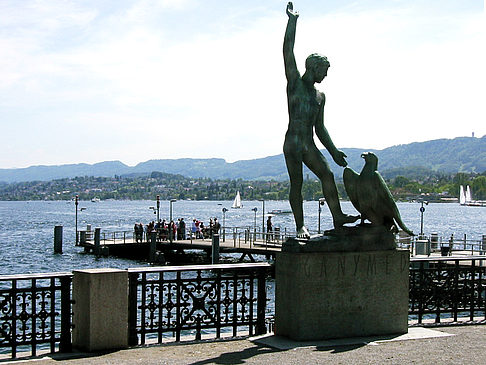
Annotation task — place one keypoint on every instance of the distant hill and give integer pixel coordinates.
(462, 154)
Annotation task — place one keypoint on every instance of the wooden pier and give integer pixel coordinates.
(246, 243)
(129, 248)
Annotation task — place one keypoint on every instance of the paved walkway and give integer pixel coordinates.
(467, 345)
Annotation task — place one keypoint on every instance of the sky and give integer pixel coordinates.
(97, 80)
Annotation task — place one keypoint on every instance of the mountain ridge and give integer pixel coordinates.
(461, 154)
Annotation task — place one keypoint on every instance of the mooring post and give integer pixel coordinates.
(97, 237)
(153, 246)
(215, 249)
(58, 239)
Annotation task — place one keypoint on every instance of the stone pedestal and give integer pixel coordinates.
(100, 309)
(324, 295)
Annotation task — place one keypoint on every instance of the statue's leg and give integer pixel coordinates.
(316, 162)
(294, 167)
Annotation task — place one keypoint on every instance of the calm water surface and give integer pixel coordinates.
(27, 228)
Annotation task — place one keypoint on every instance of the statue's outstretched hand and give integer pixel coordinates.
(290, 11)
(339, 158)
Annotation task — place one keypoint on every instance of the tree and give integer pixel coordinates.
(478, 187)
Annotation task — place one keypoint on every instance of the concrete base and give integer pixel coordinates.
(284, 343)
(100, 309)
(325, 295)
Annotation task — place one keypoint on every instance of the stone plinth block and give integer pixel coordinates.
(349, 239)
(324, 295)
(100, 309)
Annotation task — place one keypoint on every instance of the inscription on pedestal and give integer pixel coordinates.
(341, 294)
(355, 264)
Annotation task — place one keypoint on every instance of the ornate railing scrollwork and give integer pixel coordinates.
(32, 312)
(453, 287)
(196, 300)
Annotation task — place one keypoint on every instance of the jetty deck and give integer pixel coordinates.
(251, 242)
(130, 248)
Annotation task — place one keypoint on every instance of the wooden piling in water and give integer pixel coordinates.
(215, 249)
(97, 238)
(153, 246)
(58, 239)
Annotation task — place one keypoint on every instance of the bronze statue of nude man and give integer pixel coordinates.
(306, 112)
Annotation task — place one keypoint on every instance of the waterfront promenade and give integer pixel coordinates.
(466, 345)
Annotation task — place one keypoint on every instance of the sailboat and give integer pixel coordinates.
(462, 196)
(465, 198)
(468, 194)
(237, 202)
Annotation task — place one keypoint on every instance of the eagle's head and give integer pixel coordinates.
(371, 161)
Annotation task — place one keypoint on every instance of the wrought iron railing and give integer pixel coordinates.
(448, 287)
(194, 300)
(35, 312)
(173, 302)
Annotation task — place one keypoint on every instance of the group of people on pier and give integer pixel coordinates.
(199, 230)
(175, 230)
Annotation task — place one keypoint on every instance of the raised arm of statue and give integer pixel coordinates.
(291, 71)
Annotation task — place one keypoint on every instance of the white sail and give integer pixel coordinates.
(462, 196)
(468, 194)
(237, 201)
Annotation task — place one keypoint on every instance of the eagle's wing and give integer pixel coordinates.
(367, 196)
(350, 178)
(390, 209)
(383, 194)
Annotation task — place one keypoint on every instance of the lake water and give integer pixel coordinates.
(27, 228)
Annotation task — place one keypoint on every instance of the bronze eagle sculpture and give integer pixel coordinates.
(371, 197)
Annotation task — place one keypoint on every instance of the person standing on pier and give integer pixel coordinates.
(194, 228)
(306, 113)
(269, 228)
(182, 228)
(216, 226)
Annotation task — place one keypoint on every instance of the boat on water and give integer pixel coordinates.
(237, 202)
(465, 198)
(280, 211)
(95, 200)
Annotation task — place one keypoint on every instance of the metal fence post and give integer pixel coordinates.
(132, 308)
(65, 344)
(261, 303)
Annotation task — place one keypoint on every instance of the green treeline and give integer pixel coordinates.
(170, 186)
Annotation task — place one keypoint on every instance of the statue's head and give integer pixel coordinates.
(317, 64)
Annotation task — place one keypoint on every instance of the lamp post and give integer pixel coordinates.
(321, 202)
(254, 224)
(158, 209)
(422, 210)
(224, 222)
(170, 218)
(76, 202)
(263, 217)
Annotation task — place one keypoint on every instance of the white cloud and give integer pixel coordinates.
(129, 90)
